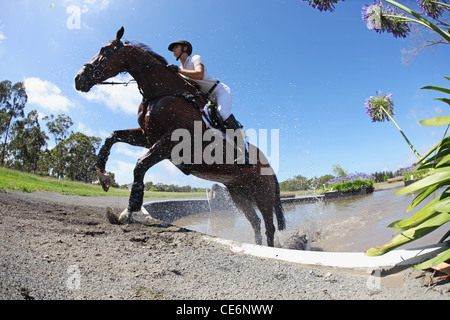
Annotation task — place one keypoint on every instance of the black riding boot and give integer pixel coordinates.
(238, 137)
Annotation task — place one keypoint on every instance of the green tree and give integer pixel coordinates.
(27, 143)
(59, 128)
(339, 172)
(13, 99)
(81, 152)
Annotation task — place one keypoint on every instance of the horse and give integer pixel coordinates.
(172, 106)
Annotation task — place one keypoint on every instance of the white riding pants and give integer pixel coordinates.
(223, 98)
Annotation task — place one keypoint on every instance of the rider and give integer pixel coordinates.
(193, 68)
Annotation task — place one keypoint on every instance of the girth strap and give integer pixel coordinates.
(188, 97)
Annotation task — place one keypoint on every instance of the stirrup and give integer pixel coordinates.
(241, 151)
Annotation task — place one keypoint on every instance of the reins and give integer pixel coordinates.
(131, 70)
(188, 97)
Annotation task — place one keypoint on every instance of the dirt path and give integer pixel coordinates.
(62, 247)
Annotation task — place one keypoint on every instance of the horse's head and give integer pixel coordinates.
(109, 62)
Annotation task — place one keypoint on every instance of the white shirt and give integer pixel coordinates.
(191, 63)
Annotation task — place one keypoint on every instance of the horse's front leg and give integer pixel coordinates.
(159, 151)
(134, 137)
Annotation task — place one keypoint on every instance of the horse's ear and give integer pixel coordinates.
(120, 34)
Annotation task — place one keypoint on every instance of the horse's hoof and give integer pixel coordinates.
(125, 217)
(104, 179)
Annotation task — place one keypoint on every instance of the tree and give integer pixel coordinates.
(339, 172)
(13, 99)
(59, 128)
(27, 143)
(81, 154)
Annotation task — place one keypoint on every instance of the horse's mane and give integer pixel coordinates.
(147, 49)
(161, 59)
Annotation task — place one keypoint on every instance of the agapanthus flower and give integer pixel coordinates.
(351, 177)
(376, 107)
(431, 8)
(385, 19)
(381, 108)
(323, 5)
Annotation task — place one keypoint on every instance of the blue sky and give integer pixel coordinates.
(292, 68)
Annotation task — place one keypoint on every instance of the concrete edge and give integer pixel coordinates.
(342, 260)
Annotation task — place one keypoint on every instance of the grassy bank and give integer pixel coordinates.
(26, 182)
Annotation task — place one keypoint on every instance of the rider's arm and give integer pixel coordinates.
(197, 74)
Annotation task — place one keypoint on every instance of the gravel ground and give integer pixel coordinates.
(62, 247)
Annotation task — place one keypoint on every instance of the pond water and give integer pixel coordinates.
(351, 224)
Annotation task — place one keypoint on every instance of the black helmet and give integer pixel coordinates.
(183, 43)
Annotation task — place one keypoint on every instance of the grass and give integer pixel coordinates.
(26, 182)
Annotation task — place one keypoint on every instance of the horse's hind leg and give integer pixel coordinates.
(242, 199)
(134, 137)
(265, 197)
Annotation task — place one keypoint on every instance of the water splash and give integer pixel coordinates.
(210, 221)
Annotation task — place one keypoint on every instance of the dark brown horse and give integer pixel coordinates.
(172, 106)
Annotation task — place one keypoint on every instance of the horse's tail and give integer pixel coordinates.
(279, 211)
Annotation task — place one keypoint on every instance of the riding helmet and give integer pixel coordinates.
(183, 43)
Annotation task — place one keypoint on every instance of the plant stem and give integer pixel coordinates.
(401, 131)
(442, 4)
(424, 21)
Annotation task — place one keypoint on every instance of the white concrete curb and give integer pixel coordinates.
(345, 260)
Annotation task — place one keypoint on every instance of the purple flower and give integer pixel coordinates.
(351, 177)
(372, 15)
(431, 8)
(383, 19)
(323, 5)
(376, 107)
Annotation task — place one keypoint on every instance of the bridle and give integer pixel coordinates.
(108, 52)
(97, 68)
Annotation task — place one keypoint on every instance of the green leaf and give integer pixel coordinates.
(443, 161)
(419, 217)
(445, 90)
(410, 235)
(441, 175)
(444, 100)
(443, 256)
(422, 196)
(445, 141)
(436, 121)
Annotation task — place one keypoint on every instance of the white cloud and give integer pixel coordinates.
(2, 35)
(103, 134)
(94, 5)
(84, 129)
(118, 97)
(135, 153)
(123, 171)
(97, 5)
(170, 169)
(46, 95)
